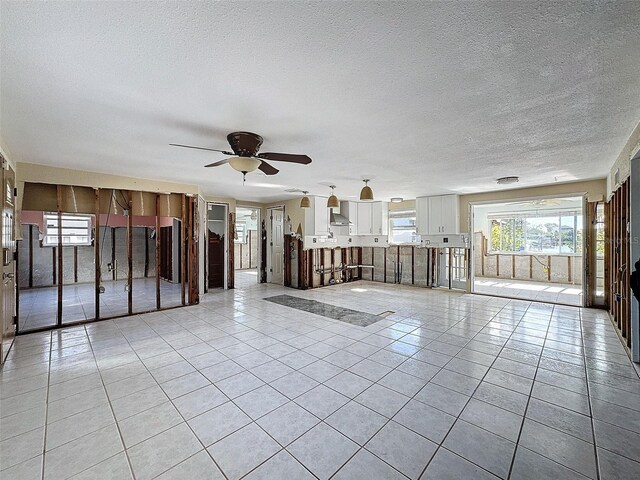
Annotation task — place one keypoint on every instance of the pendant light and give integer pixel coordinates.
(304, 201)
(333, 202)
(366, 193)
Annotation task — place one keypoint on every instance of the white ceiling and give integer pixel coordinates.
(424, 98)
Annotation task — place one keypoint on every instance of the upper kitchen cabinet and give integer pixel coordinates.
(437, 215)
(379, 218)
(316, 218)
(373, 218)
(364, 226)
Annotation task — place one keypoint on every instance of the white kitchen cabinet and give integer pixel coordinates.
(379, 218)
(316, 218)
(422, 215)
(350, 210)
(437, 215)
(364, 219)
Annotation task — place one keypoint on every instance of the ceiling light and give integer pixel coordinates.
(333, 202)
(366, 193)
(304, 201)
(245, 165)
(507, 180)
(396, 200)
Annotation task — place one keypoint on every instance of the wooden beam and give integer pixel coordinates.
(146, 252)
(183, 251)
(30, 256)
(530, 266)
(114, 268)
(569, 273)
(548, 268)
(194, 294)
(158, 252)
(310, 263)
(384, 255)
(96, 255)
(231, 235)
(59, 252)
(413, 265)
(129, 254)
(513, 266)
(75, 264)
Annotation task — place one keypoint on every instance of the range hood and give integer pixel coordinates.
(338, 220)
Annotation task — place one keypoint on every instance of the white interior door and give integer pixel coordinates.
(276, 244)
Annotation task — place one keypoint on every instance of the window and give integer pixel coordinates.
(76, 230)
(402, 224)
(548, 232)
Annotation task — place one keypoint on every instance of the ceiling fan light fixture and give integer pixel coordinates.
(304, 201)
(366, 194)
(332, 201)
(507, 180)
(244, 164)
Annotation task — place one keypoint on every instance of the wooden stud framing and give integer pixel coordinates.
(59, 252)
(30, 256)
(96, 253)
(129, 254)
(413, 265)
(231, 235)
(158, 252)
(183, 250)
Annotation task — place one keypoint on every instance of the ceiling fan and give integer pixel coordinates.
(245, 157)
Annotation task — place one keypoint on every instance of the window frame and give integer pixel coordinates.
(522, 218)
(399, 214)
(50, 222)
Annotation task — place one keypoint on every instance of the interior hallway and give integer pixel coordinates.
(450, 385)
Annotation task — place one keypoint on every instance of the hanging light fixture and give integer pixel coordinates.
(245, 165)
(333, 202)
(304, 201)
(366, 193)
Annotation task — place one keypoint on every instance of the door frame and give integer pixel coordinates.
(226, 245)
(269, 217)
(9, 335)
(259, 228)
(472, 273)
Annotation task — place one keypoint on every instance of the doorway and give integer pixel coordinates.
(217, 229)
(275, 245)
(246, 246)
(530, 249)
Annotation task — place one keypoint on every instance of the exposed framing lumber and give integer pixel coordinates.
(59, 252)
(183, 250)
(158, 252)
(96, 253)
(129, 254)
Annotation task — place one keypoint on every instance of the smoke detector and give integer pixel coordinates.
(507, 180)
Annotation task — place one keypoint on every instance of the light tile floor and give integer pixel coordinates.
(451, 385)
(563, 293)
(38, 306)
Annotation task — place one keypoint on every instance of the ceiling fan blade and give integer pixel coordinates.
(217, 164)
(285, 157)
(267, 169)
(202, 148)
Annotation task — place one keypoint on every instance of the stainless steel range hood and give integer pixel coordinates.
(338, 220)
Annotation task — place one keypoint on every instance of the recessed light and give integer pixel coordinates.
(396, 200)
(507, 180)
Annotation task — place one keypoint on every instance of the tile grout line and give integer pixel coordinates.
(441, 445)
(112, 413)
(526, 408)
(592, 420)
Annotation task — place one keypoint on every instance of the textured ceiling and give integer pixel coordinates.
(424, 98)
